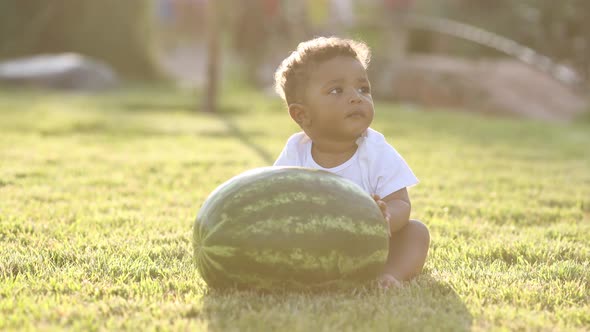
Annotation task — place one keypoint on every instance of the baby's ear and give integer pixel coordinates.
(299, 114)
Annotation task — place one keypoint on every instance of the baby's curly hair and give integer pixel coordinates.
(294, 70)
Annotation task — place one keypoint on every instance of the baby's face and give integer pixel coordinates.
(339, 99)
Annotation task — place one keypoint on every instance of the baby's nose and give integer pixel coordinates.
(355, 97)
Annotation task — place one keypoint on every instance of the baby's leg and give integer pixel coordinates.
(408, 249)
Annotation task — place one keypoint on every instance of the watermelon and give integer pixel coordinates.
(289, 228)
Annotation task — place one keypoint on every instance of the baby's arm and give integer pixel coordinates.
(396, 208)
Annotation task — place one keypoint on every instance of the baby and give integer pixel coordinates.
(327, 91)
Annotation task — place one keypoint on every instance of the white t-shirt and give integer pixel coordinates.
(376, 166)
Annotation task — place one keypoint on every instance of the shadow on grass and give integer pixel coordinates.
(149, 106)
(118, 129)
(425, 305)
(246, 139)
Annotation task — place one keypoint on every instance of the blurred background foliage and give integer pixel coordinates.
(118, 32)
(558, 29)
(123, 33)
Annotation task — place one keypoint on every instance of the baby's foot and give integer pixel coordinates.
(386, 281)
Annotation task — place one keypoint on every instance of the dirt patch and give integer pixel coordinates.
(504, 87)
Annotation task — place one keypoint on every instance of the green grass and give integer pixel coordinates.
(98, 195)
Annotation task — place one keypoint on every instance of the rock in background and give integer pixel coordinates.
(68, 71)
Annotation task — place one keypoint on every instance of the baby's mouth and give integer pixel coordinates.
(355, 114)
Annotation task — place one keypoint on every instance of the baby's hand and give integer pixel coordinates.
(384, 210)
(383, 206)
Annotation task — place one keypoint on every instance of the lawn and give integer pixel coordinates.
(98, 195)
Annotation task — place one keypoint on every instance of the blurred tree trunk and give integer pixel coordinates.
(213, 58)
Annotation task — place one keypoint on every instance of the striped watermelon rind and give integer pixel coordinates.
(289, 227)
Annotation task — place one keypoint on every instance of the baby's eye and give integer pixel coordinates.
(365, 89)
(335, 91)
